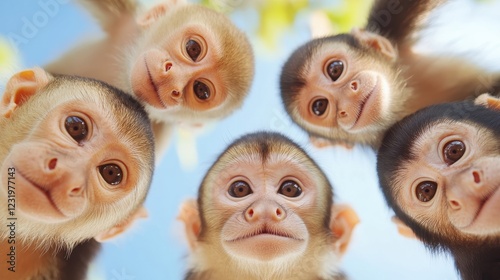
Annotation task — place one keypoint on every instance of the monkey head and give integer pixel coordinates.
(439, 170)
(192, 64)
(265, 208)
(77, 155)
(342, 87)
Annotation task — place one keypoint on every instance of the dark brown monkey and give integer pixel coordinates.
(439, 171)
(349, 88)
(76, 160)
(265, 211)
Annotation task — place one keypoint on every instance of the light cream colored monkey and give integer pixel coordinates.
(265, 211)
(76, 163)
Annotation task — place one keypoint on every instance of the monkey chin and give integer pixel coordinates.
(486, 222)
(265, 247)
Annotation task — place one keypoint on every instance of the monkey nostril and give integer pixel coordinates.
(53, 163)
(176, 94)
(168, 66)
(354, 86)
(250, 213)
(477, 178)
(76, 191)
(454, 204)
(278, 212)
(342, 114)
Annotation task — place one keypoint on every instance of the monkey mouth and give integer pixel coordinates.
(363, 103)
(42, 189)
(266, 230)
(151, 81)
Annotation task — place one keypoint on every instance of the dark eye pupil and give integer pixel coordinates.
(335, 69)
(193, 49)
(453, 151)
(201, 90)
(319, 106)
(290, 189)
(426, 190)
(239, 189)
(76, 127)
(111, 173)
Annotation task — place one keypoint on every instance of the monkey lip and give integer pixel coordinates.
(265, 231)
(155, 88)
(43, 190)
(363, 103)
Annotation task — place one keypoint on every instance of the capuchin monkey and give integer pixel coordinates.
(265, 211)
(439, 170)
(350, 88)
(76, 159)
(187, 63)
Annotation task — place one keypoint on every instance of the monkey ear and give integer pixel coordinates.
(342, 223)
(488, 101)
(403, 229)
(157, 11)
(190, 216)
(122, 227)
(376, 42)
(20, 87)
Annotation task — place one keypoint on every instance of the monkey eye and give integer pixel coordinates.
(111, 173)
(76, 127)
(290, 189)
(453, 151)
(319, 106)
(335, 69)
(193, 49)
(426, 190)
(239, 189)
(201, 90)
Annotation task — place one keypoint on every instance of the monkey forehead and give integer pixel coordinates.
(266, 150)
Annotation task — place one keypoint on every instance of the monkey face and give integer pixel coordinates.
(185, 66)
(73, 164)
(454, 180)
(343, 92)
(180, 71)
(261, 200)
